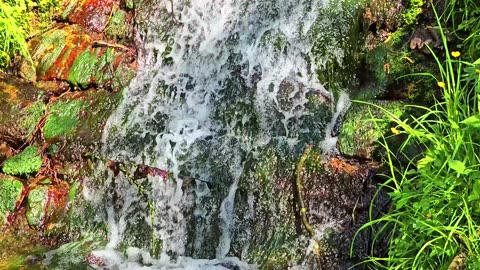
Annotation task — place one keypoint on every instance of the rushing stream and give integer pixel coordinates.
(219, 82)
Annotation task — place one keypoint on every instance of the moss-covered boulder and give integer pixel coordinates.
(75, 123)
(364, 127)
(63, 118)
(71, 53)
(11, 191)
(269, 229)
(26, 162)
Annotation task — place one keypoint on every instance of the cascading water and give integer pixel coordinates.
(226, 80)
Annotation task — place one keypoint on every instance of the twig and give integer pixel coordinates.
(175, 21)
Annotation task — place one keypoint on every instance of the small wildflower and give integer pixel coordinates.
(456, 54)
(441, 84)
(303, 210)
(395, 130)
(477, 71)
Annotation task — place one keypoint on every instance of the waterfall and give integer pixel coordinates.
(218, 81)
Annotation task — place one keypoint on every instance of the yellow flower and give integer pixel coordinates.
(395, 130)
(441, 84)
(477, 71)
(456, 54)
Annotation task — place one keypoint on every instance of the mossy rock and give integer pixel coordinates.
(21, 108)
(27, 162)
(118, 26)
(70, 53)
(360, 132)
(10, 193)
(37, 200)
(63, 118)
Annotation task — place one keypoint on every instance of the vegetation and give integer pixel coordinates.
(16, 20)
(27, 162)
(433, 219)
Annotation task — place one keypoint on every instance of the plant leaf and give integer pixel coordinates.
(472, 121)
(456, 165)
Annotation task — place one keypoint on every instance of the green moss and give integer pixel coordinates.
(37, 200)
(359, 134)
(32, 114)
(117, 28)
(10, 192)
(83, 68)
(62, 118)
(410, 14)
(337, 43)
(27, 162)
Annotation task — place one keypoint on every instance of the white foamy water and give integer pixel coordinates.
(240, 79)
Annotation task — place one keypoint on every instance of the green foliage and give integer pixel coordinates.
(463, 16)
(10, 192)
(436, 197)
(16, 20)
(62, 118)
(27, 162)
(13, 31)
(410, 14)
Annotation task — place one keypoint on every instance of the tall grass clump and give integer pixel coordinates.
(13, 32)
(433, 221)
(18, 18)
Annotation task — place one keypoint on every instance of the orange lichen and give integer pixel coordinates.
(10, 90)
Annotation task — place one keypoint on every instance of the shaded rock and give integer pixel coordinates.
(71, 53)
(11, 194)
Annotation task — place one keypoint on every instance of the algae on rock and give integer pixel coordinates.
(10, 193)
(37, 200)
(63, 118)
(27, 162)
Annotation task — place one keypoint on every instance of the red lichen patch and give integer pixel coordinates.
(93, 14)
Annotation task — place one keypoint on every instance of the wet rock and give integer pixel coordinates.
(11, 194)
(269, 229)
(360, 134)
(71, 53)
(46, 206)
(93, 14)
(75, 124)
(20, 111)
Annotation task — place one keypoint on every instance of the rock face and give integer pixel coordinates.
(91, 49)
(41, 155)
